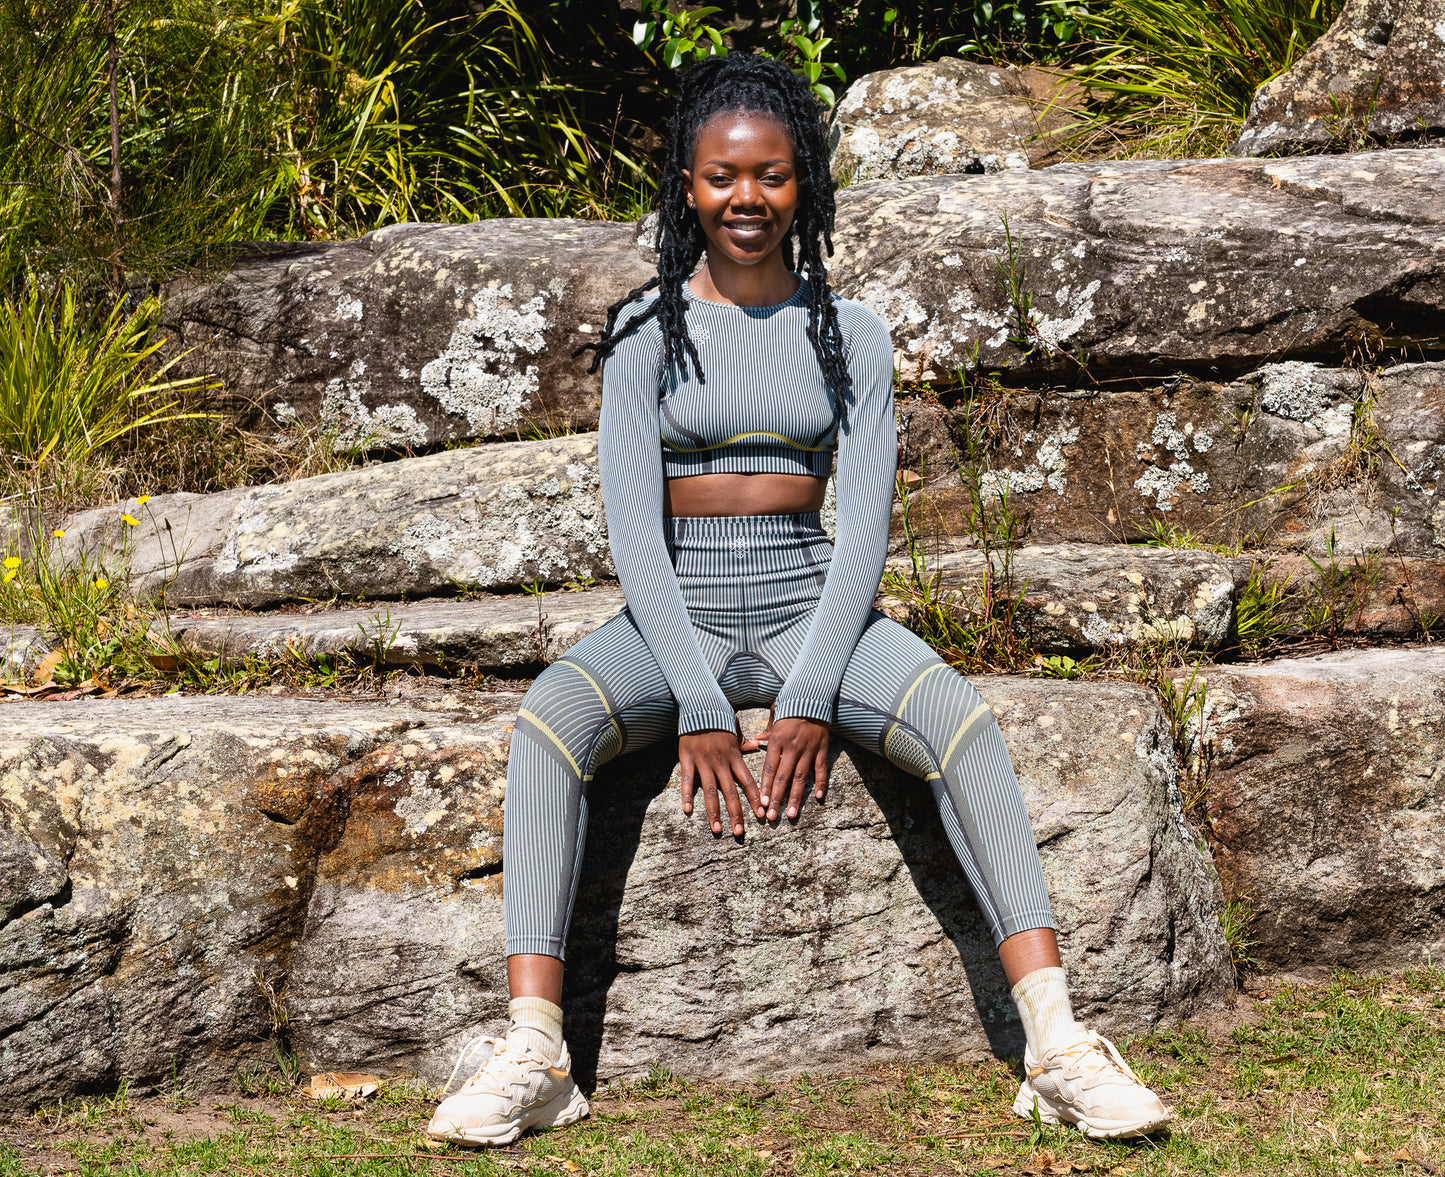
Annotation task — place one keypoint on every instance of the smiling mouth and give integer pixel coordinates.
(745, 226)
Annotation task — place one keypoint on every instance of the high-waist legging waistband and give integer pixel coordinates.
(745, 545)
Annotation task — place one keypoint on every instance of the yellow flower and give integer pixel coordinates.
(101, 582)
(129, 520)
(143, 500)
(11, 575)
(12, 561)
(59, 533)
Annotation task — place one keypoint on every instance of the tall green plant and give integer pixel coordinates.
(68, 386)
(1168, 78)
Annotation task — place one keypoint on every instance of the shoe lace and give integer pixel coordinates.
(1093, 1043)
(466, 1052)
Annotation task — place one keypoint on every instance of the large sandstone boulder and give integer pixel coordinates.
(1285, 458)
(1326, 802)
(414, 334)
(1377, 74)
(166, 862)
(945, 116)
(421, 333)
(1210, 266)
(497, 516)
(509, 634)
(1274, 459)
(1077, 598)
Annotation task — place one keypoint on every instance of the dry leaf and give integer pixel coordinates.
(342, 1084)
(1401, 1154)
(571, 1167)
(165, 662)
(1318, 1015)
(45, 669)
(429, 1142)
(1363, 1157)
(764, 1153)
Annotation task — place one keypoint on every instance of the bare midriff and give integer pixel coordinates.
(743, 494)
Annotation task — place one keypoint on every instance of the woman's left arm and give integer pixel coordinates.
(866, 473)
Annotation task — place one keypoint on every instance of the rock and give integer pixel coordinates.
(1213, 267)
(21, 648)
(159, 856)
(492, 634)
(414, 334)
(944, 116)
(1377, 73)
(1374, 594)
(1280, 459)
(421, 333)
(1326, 801)
(489, 517)
(1076, 598)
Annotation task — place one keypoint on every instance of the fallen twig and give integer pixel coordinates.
(392, 1156)
(969, 1136)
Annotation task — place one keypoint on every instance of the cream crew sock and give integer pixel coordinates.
(536, 1026)
(1043, 1001)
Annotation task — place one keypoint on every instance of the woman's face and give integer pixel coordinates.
(743, 184)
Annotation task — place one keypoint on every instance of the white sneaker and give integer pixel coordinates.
(1088, 1084)
(509, 1091)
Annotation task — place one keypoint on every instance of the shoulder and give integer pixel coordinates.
(637, 327)
(862, 329)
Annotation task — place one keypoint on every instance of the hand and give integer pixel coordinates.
(714, 761)
(797, 749)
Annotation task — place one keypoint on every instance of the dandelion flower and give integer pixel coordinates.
(101, 582)
(12, 561)
(143, 500)
(11, 575)
(129, 520)
(59, 533)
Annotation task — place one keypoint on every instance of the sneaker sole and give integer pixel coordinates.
(566, 1107)
(1052, 1113)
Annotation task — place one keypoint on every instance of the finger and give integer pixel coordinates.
(709, 797)
(787, 763)
(746, 743)
(744, 778)
(802, 770)
(770, 771)
(688, 782)
(820, 770)
(730, 799)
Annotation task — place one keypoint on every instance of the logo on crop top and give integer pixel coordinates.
(700, 334)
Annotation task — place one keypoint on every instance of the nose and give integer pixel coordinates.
(747, 193)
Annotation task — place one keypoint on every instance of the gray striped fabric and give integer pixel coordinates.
(764, 409)
(751, 588)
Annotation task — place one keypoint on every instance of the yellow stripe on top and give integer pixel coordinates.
(551, 735)
(601, 694)
(797, 445)
(974, 716)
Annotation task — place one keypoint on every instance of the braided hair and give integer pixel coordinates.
(755, 85)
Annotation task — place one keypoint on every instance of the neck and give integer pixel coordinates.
(765, 284)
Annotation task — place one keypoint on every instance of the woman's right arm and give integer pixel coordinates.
(629, 452)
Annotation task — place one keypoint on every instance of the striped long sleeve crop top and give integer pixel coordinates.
(764, 408)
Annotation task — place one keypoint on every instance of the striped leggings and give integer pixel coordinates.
(751, 584)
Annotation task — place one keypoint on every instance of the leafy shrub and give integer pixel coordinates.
(69, 386)
(1175, 77)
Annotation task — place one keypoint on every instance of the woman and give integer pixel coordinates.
(751, 374)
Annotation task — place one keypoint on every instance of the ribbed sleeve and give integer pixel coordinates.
(629, 458)
(865, 480)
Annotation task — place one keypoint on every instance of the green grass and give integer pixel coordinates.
(1308, 1075)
